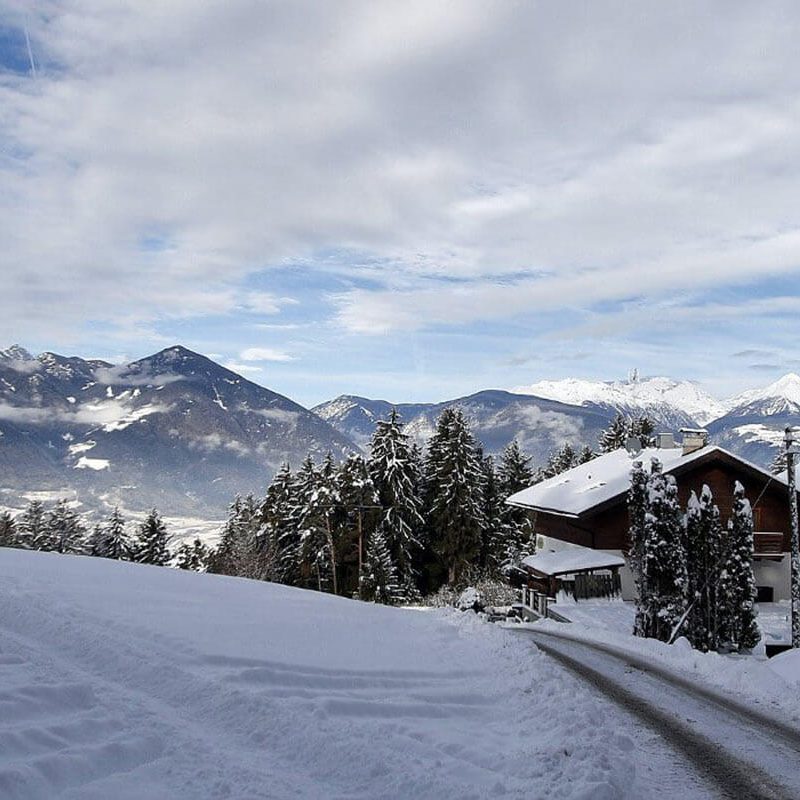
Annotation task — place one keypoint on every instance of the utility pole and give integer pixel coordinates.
(791, 452)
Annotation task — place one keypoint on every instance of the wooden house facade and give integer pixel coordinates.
(587, 506)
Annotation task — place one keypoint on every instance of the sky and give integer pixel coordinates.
(405, 200)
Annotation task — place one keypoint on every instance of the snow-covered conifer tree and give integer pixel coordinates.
(637, 515)
(319, 528)
(151, 546)
(615, 435)
(663, 557)
(192, 556)
(114, 541)
(32, 532)
(736, 594)
(514, 473)
(8, 531)
(455, 488)
(394, 466)
(278, 537)
(66, 533)
(379, 581)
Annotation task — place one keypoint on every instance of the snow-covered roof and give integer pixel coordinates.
(586, 486)
(574, 559)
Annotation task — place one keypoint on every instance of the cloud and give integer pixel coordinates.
(279, 415)
(264, 354)
(242, 369)
(113, 414)
(129, 375)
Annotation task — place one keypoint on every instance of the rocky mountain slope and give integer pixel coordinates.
(497, 417)
(175, 430)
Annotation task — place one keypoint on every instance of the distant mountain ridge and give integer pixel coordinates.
(663, 399)
(174, 430)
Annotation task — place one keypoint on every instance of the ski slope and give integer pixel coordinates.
(130, 682)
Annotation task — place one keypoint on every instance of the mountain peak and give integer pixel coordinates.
(781, 395)
(16, 353)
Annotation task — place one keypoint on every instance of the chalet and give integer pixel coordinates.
(586, 508)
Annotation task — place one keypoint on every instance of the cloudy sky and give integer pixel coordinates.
(411, 200)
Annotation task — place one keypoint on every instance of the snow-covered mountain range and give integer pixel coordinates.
(662, 398)
(178, 431)
(175, 430)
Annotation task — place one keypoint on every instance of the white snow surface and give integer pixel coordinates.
(131, 682)
(643, 394)
(96, 464)
(560, 562)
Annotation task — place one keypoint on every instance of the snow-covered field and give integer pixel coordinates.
(125, 681)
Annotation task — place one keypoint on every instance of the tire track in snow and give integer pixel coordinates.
(739, 749)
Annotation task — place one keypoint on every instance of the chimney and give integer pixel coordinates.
(665, 441)
(693, 439)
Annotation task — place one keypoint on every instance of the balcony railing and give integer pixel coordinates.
(767, 544)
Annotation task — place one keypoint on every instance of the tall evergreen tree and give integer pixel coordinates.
(151, 546)
(379, 582)
(495, 535)
(615, 435)
(236, 553)
(514, 473)
(279, 537)
(394, 467)
(778, 464)
(703, 557)
(192, 556)
(66, 533)
(664, 557)
(8, 531)
(114, 541)
(319, 528)
(359, 499)
(737, 586)
(637, 518)
(455, 488)
(32, 532)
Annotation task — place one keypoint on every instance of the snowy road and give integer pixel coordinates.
(742, 751)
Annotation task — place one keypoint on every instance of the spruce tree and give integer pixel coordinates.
(615, 435)
(495, 535)
(379, 582)
(31, 529)
(637, 516)
(278, 536)
(514, 473)
(8, 531)
(778, 464)
(65, 531)
(114, 541)
(394, 467)
(663, 556)
(319, 529)
(236, 553)
(151, 545)
(192, 556)
(455, 488)
(737, 586)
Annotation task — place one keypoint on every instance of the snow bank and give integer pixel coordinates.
(126, 681)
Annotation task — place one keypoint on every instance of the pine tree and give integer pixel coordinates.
(31, 529)
(319, 526)
(703, 558)
(622, 428)
(637, 516)
(359, 500)
(455, 487)
(514, 473)
(151, 546)
(495, 535)
(66, 533)
(663, 556)
(236, 553)
(278, 538)
(379, 582)
(394, 467)
(8, 531)
(778, 464)
(113, 541)
(737, 586)
(192, 556)
(615, 435)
